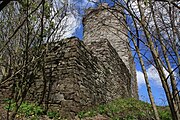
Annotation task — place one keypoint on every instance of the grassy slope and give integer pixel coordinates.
(119, 109)
(126, 109)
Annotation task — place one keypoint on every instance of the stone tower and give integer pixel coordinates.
(108, 23)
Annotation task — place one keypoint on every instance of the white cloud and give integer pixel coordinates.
(72, 20)
(68, 25)
(140, 78)
(153, 76)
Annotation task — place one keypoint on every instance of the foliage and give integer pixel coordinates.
(26, 108)
(30, 110)
(126, 109)
(164, 113)
(53, 114)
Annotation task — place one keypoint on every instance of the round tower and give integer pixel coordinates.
(106, 22)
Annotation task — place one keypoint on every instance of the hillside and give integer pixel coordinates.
(126, 109)
(119, 109)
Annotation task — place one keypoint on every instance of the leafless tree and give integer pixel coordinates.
(26, 28)
(154, 25)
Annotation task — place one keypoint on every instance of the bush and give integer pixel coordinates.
(26, 108)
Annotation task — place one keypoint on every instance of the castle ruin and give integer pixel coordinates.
(81, 74)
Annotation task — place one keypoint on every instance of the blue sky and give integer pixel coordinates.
(155, 83)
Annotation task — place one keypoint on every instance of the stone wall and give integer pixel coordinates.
(117, 75)
(79, 76)
(109, 23)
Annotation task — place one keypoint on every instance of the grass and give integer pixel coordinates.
(26, 108)
(119, 109)
(29, 110)
(126, 109)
